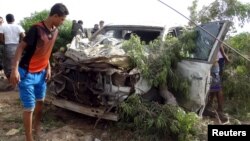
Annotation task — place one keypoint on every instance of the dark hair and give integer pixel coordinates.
(10, 18)
(101, 21)
(80, 22)
(59, 9)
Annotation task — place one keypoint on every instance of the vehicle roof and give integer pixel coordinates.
(127, 26)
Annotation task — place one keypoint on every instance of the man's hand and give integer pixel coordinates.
(14, 77)
(227, 59)
(48, 74)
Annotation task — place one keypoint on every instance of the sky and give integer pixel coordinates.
(147, 12)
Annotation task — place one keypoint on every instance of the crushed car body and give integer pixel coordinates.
(96, 72)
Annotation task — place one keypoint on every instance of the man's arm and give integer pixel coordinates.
(48, 72)
(1, 38)
(22, 34)
(223, 53)
(81, 28)
(14, 76)
(1, 35)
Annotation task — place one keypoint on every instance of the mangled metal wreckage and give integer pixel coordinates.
(94, 76)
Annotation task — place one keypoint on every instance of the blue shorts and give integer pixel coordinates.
(216, 83)
(216, 80)
(32, 88)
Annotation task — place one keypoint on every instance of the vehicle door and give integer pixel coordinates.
(197, 67)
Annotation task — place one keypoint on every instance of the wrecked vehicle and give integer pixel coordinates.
(94, 75)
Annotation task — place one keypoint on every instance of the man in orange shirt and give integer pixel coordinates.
(32, 69)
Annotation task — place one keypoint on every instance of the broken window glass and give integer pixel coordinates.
(205, 41)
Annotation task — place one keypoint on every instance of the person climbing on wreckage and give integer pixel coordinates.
(216, 88)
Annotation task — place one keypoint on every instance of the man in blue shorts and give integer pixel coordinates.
(31, 67)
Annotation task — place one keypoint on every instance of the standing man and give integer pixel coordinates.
(96, 28)
(1, 46)
(74, 28)
(101, 24)
(31, 67)
(10, 34)
(80, 30)
(223, 58)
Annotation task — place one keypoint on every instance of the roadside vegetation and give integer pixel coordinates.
(157, 63)
(155, 122)
(237, 78)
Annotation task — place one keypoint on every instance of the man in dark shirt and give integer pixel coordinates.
(77, 29)
(96, 28)
(73, 29)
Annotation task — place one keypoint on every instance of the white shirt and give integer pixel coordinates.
(219, 55)
(11, 33)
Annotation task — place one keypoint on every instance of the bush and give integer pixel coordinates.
(152, 121)
(236, 78)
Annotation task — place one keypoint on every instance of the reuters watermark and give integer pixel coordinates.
(235, 132)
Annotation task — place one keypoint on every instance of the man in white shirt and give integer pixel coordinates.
(10, 34)
(1, 47)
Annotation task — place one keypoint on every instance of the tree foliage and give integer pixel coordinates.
(193, 12)
(35, 17)
(158, 59)
(152, 121)
(241, 42)
(237, 77)
(231, 10)
(157, 62)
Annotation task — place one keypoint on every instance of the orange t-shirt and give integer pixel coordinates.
(40, 41)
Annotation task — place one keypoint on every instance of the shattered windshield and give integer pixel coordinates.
(205, 41)
(146, 34)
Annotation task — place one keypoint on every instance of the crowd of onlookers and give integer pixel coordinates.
(11, 34)
(78, 29)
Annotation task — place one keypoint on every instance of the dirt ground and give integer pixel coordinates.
(57, 124)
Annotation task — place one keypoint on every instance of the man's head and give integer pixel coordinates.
(80, 22)
(96, 26)
(10, 18)
(58, 14)
(101, 23)
(1, 20)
